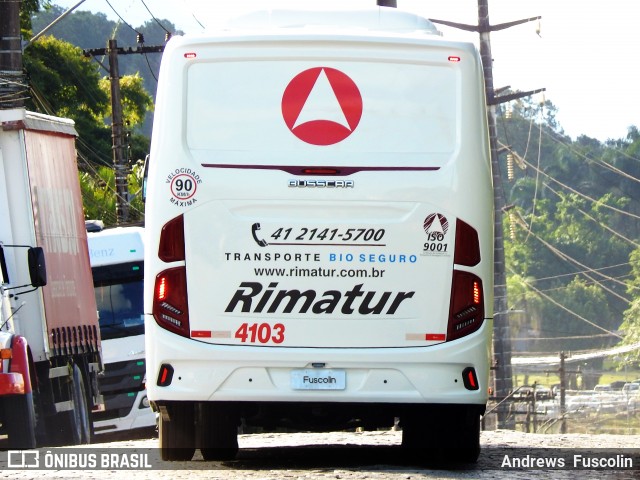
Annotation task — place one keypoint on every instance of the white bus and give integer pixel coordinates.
(117, 264)
(319, 232)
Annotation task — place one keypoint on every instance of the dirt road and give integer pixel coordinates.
(373, 455)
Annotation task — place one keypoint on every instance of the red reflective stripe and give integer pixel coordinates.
(163, 377)
(201, 333)
(435, 337)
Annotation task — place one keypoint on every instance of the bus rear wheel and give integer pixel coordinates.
(448, 433)
(177, 431)
(217, 431)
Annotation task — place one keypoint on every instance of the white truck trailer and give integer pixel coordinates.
(49, 335)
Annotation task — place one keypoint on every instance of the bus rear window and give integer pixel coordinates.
(281, 111)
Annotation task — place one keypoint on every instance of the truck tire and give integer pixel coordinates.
(73, 427)
(177, 432)
(20, 423)
(81, 410)
(217, 431)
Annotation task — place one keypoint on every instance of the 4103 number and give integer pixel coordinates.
(260, 333)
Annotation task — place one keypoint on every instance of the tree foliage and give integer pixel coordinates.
(66, 83)
(98, 197)
(571, 228)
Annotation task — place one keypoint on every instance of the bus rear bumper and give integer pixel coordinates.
(413, 375)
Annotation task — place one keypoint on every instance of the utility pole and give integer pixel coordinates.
(503, 381)
(117, 137)
(117, 125)
(563, 393)
(12, 87)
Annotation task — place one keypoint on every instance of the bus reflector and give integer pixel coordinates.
(171, 248)
(470, 379)
(454, 59)
(467, 250)
(466, 311)
(170, 305)
(165, 375)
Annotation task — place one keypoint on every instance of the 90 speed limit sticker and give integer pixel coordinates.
(183, 185)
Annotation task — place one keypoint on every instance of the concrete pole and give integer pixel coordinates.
(117, 136)
(13, 90)
(503, 381)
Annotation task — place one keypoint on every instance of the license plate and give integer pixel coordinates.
(318, 379)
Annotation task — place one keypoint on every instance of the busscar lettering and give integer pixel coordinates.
(252, 297)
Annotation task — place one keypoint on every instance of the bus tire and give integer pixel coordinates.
(20, 421)
(217, 431)
(449, 434)
(177, 432)
(468, 449)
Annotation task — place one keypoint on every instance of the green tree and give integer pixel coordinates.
(66, 84)
(631, 324)
(136, 102)
(98, 194)
(568, 238)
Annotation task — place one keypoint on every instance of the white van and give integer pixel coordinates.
(319, 232)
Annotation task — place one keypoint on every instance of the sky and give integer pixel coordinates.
(586, 54)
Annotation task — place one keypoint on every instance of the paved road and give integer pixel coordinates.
(370, 455)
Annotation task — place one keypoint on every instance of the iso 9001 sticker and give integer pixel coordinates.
(436, 227)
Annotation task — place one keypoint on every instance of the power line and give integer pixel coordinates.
(604, 205)
(554, 277)
(578, 357)
(606, 227)
(568, 258)
(600, 163)
(120, 17)
(153, 16)
(572, 337)
(571, 312)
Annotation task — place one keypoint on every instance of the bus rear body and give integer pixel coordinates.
(319, 233)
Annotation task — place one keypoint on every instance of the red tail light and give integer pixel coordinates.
(466, 312)
(171, 247)
(170, 305)
(467, 251)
